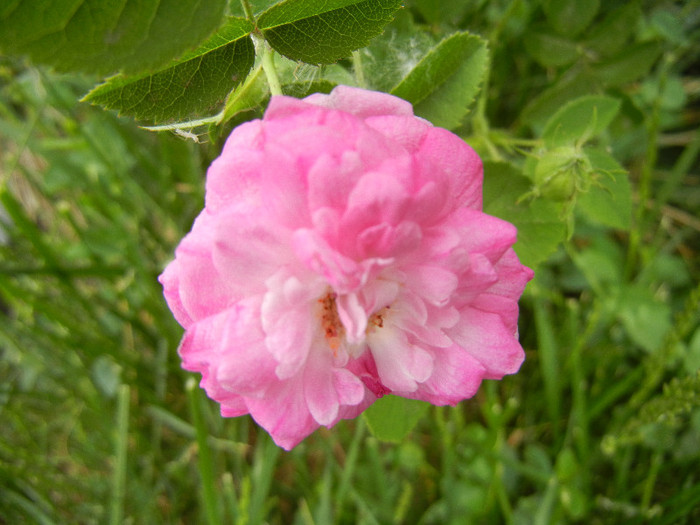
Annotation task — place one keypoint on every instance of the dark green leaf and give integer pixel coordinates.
(550, 50)
(570, 17)
(633, 63)
(580, 120)
(324, 32)
(572, 85)
(669, 26)
(444, 83)
(391, 418)
(448, 12)
(104, 37)
(191, 87)
(540, 227)
(601, 261)
(608, 37)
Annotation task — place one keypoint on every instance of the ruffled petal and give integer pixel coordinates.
(456, 376)
(361, 102)
(401, 366)
(486, 338)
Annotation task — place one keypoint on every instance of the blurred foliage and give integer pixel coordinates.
(602, 424)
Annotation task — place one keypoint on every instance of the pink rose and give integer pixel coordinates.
(342, 255)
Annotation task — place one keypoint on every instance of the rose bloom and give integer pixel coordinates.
(342, 255)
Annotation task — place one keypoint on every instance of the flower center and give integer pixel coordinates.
(376, 320)
(332, 328)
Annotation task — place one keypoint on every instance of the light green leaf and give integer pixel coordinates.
(106, 374)
(191, 87)
(645, 318)
(324, 32)
(391, 418)
(609, 200)
(394, 53)
(570, 17)
(580, 120)
(255, 92)
(445, 82)
(304, 89)
(250, 94)
(540, 228)
(102, 37)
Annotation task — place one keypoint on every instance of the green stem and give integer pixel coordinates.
(480, 120)
(204, 463)
(652, 151)
(120, 448)
(650, 482)
(268, 64)
(547, 350)
(350, 463)
(248, 10)
(358, 69)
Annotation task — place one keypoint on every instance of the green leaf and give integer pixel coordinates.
(304, 89)
(580, 120)
(445, 82)
(550, 50)
(102, 37)
(630, 65)
(390, 56)
(106, 374)
(645, 318)
(254, 92)
(191, 87)
(324, 32)
(607, 37)
(250, 94)
(540, 228)
(570, 17)
(609, 200)
(569, 87)
(601, 261)
(447, 12)
(391, 418)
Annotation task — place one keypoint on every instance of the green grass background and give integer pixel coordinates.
(98, 423)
